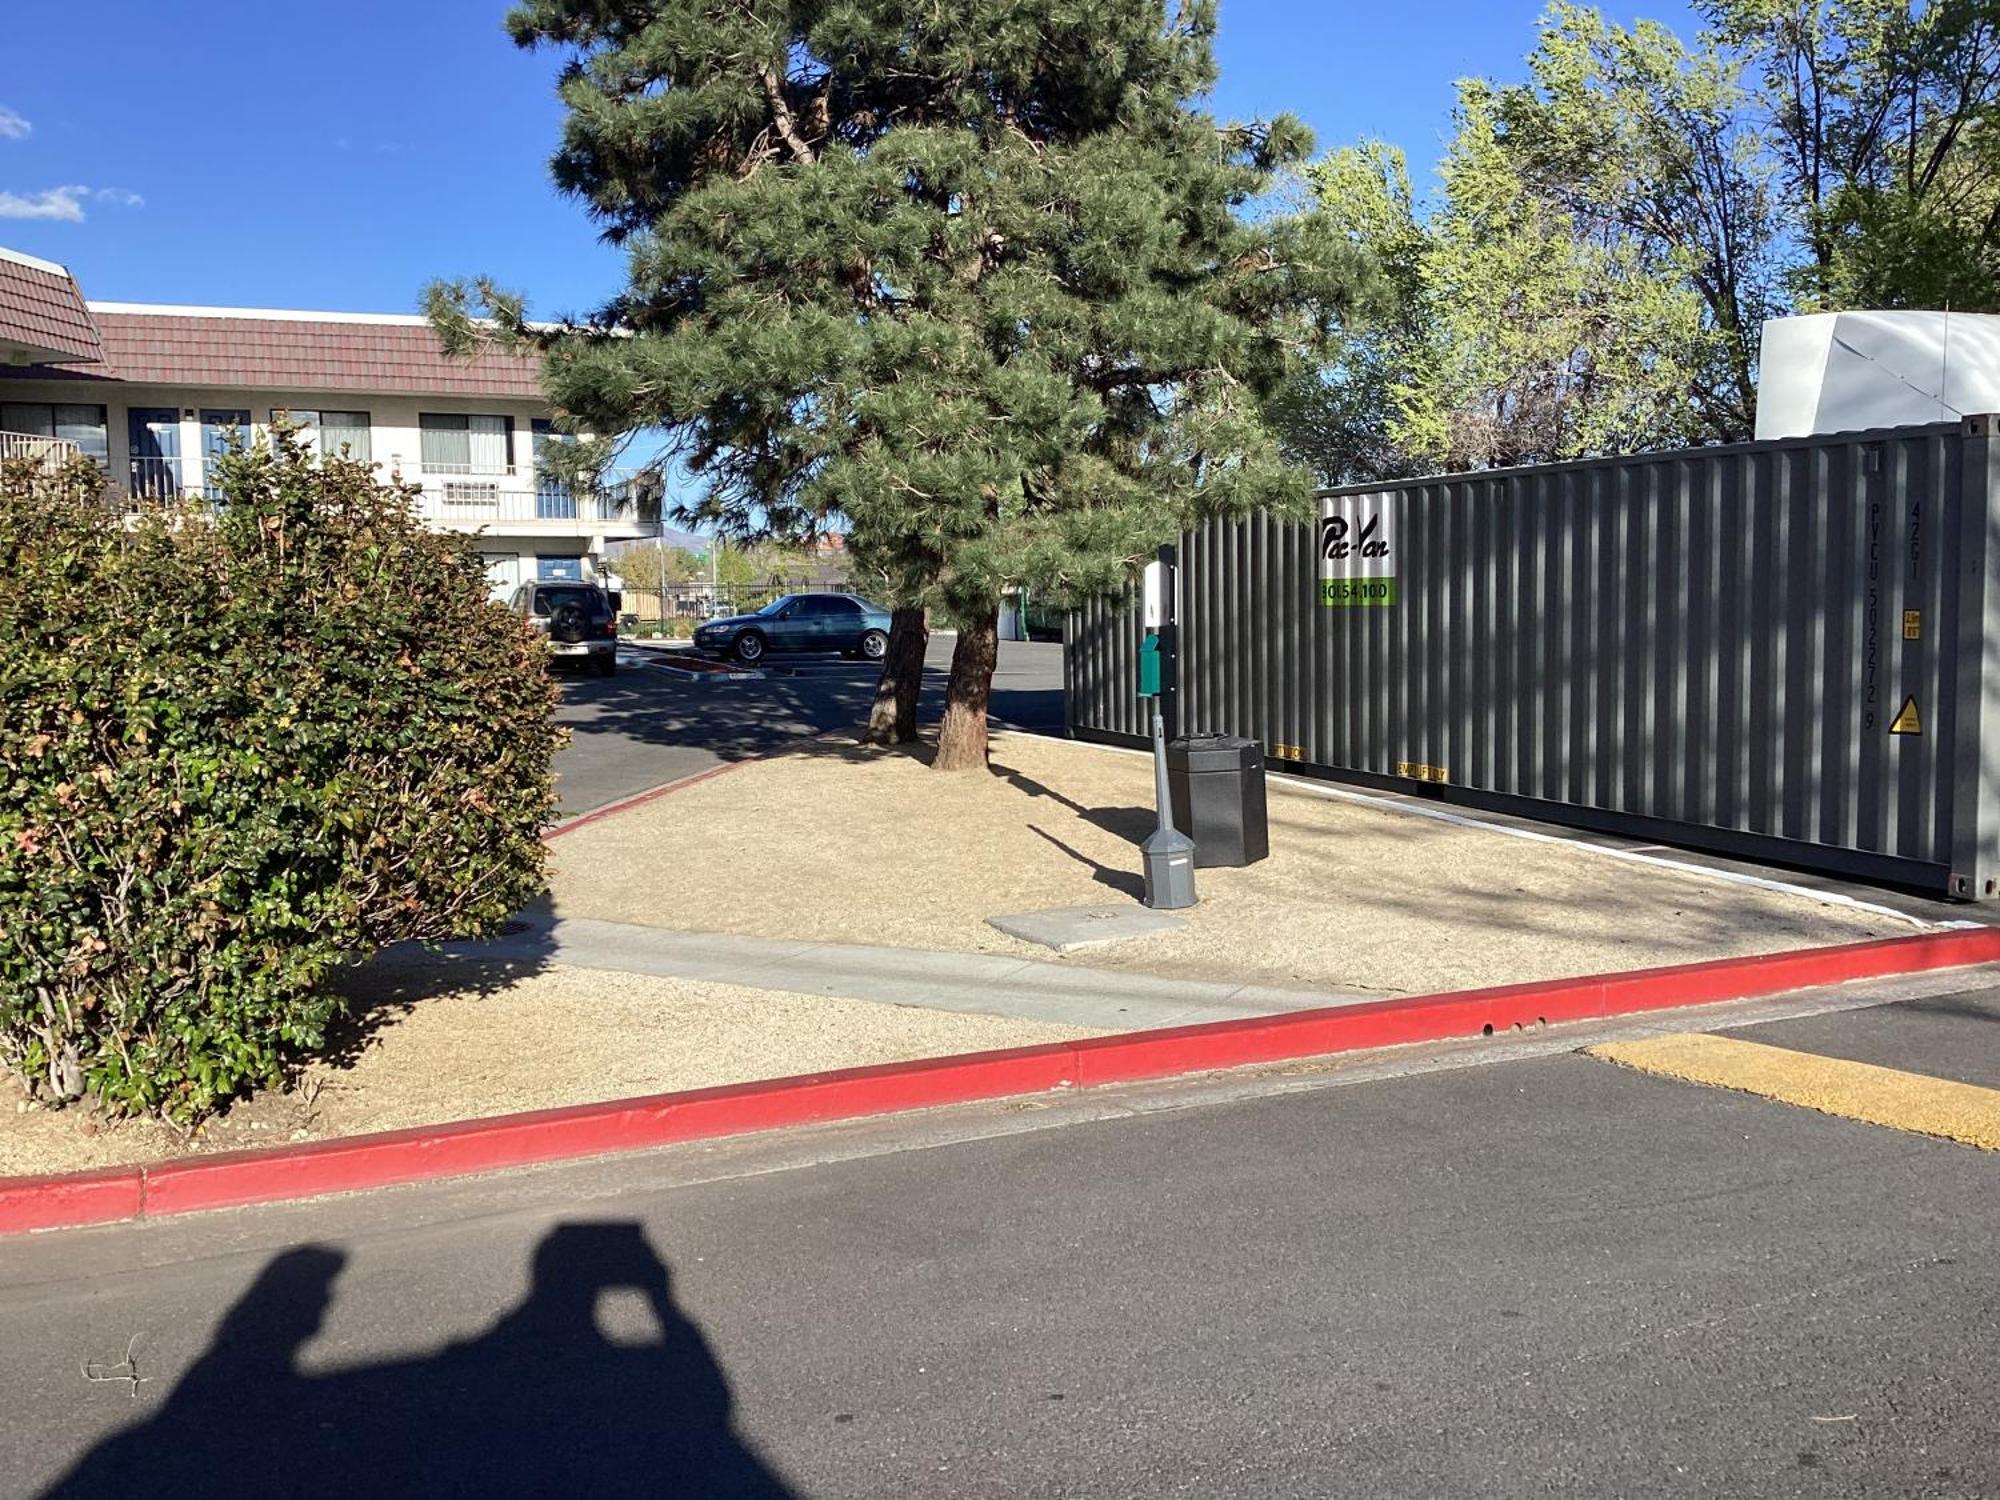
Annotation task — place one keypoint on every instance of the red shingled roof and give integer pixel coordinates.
(41, 309)
(317, 353)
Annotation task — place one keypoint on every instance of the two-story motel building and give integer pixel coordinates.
(153, 393)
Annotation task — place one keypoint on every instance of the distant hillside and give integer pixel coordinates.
(687, 541)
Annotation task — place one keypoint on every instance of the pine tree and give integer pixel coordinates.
(974, 281)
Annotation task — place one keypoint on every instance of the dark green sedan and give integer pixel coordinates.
(845, 623)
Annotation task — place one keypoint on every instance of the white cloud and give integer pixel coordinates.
(63, 205)
(14, 125)
(60, 203)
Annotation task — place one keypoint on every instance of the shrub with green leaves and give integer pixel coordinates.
(237, 751)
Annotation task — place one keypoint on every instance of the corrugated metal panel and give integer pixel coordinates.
(1704, 646)
(1101, 669)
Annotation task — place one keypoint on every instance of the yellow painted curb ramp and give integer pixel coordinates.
(1912, 1102)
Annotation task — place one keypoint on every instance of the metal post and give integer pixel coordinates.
(1170, 646)
(1168, 854)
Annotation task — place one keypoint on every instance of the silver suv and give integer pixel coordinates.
(579, 621)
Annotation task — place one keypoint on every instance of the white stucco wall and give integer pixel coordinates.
(511, 532)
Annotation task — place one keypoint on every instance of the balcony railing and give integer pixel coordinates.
(479, 471)
(46, 453)
(157, 478)
(487, 500)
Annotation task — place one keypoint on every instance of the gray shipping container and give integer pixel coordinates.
(1781, 650)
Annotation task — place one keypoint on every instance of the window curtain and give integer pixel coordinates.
(446, 442)
(85, 426)
(34, 420)
(348, 428)
(488, 443)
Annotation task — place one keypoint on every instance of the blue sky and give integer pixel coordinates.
(250, 154)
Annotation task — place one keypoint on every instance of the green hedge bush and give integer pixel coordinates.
(240, 749)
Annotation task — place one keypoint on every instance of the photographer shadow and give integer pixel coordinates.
(541, 1404)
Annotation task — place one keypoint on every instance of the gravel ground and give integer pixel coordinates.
(490, 1042)
(844, 844)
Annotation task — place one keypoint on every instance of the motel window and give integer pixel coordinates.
(454, 444)
(83, 425)
(333, 431)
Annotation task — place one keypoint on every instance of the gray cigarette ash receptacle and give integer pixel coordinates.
(1217, 783)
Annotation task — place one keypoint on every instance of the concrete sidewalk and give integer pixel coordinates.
(979, 983)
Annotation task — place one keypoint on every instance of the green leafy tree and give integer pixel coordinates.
(1615, 228)
(972, 279)
(1547, 340)
(654, 567)
(1338, 415)
(1656, 151)
(1881, 118)
(242, 750)
(1509, 329)
(740, 567)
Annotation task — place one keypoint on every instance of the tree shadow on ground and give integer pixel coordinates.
(1134, 824)
(1125, 882)
(543, 1403)
(729, 720)
(377, 994)
(1131, 824)
(1971, 1009)
(814, 695)
(393, 982)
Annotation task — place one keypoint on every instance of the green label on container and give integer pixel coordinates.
(1356, 592)
(1357, 551)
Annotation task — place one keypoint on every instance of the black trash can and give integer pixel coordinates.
(1217, 786)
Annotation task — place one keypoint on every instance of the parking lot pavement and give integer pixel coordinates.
(1537, 1274)
(644, 727)
(1945, 1036)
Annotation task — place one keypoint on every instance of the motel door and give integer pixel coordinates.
(154, 434)
(216, 430)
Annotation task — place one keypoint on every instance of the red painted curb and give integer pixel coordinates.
(1506, 1008)
(468, 1146)
(71, 1199)
(574, 1131)
(640, 799)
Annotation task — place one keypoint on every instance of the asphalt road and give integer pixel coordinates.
(1528, 1273)
(644, 727)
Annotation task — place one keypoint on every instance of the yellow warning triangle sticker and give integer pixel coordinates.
(1906, 720)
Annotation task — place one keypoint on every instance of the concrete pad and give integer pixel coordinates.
(1068, 928)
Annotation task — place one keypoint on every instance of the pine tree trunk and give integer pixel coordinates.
(892, 720)
(962, 740)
